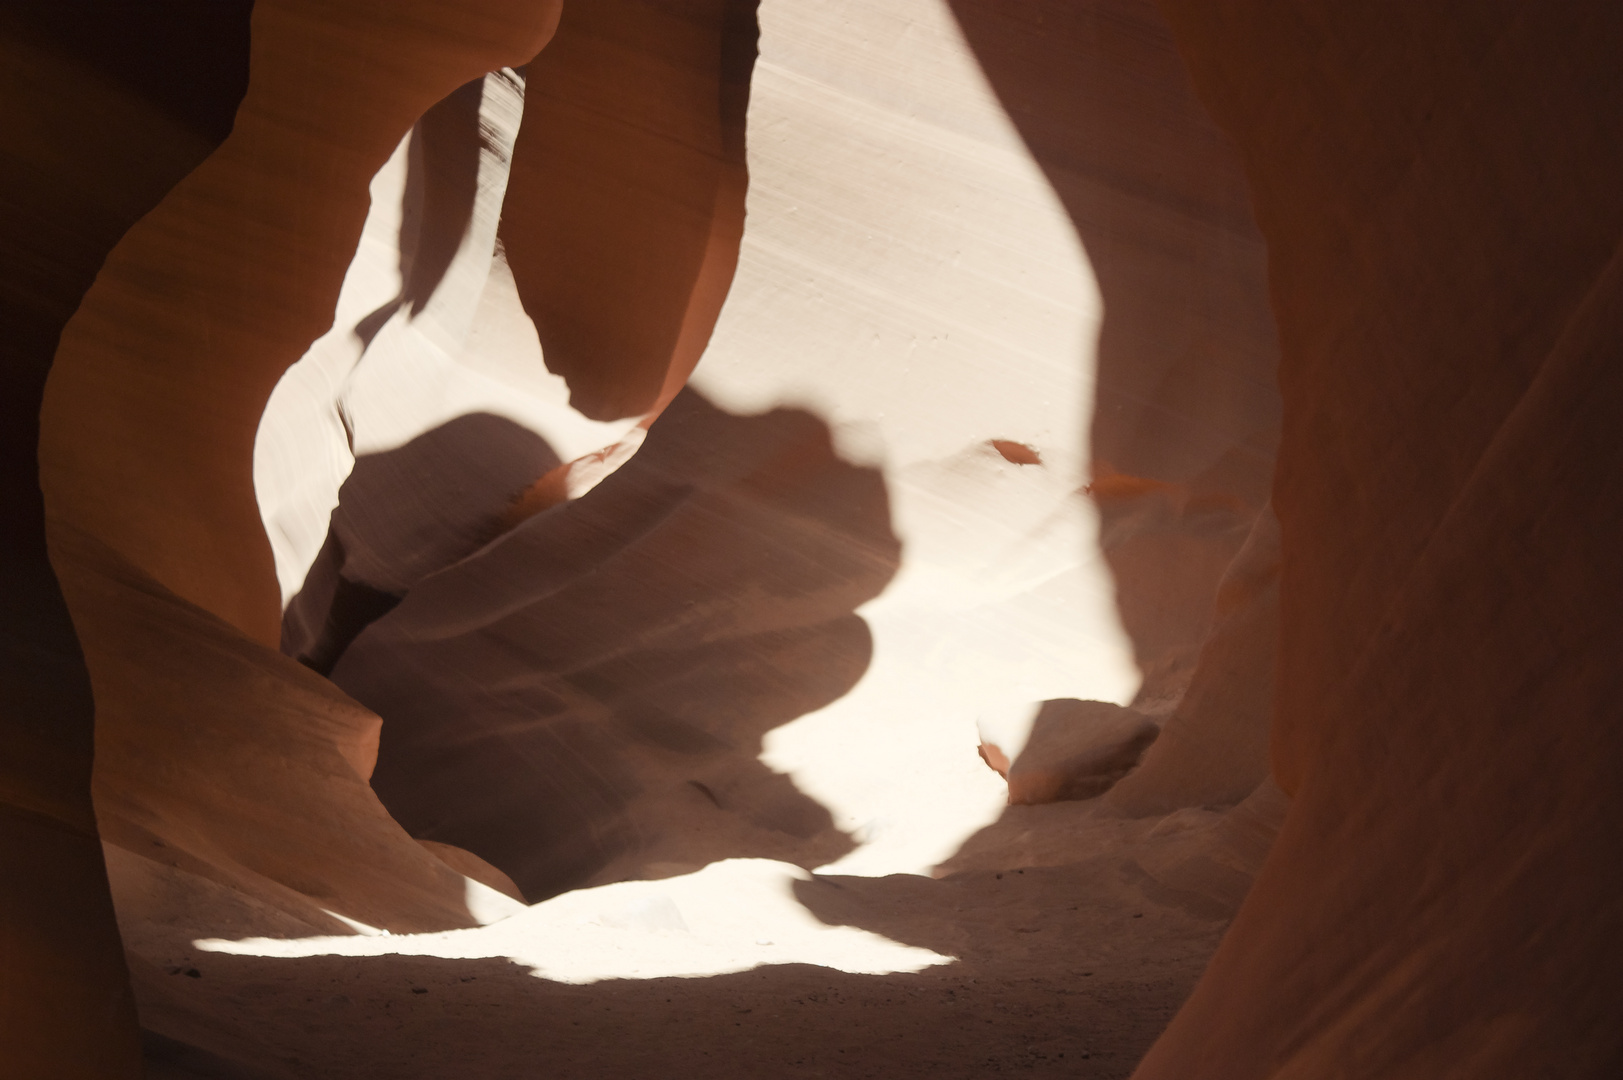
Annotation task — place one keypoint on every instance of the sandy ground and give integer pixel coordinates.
(1046, 970)
(1057, 971)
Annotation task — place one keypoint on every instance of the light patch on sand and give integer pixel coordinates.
(731, 916)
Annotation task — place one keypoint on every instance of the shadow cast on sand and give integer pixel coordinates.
(1055, 978)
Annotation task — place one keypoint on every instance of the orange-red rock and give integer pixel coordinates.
(101, 117)
(243, 260)
(627, 197)
(579, 685)
(1442, 194)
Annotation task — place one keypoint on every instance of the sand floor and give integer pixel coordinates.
(1065, 970)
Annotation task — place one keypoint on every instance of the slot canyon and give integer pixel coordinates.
(838, 538)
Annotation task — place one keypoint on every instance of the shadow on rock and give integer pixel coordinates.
(403, 515)
(583, 698)
(1077, 750)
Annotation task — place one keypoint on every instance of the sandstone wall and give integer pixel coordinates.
(1440, 190)
(581, 686)
(146, 439)
(100, 120)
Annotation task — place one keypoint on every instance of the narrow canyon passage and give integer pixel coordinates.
(718, 694)
(857, 538)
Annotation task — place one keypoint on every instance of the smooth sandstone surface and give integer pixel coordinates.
(648, 633)
(182, 781)
(168, 362)
(1440, 193)
(99, 122)
(1213, 748)
(242, 260)
(627, 202)
(986, 417)
(966, 408)
(470, 501)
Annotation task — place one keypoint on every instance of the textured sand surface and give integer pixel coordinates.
(1047, 970)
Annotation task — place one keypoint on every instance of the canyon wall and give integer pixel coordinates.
(1441, 190)
(986, 419)
(101, 118)
(235, 262)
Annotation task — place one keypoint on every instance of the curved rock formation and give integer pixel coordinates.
(1077, 750)
(1213, 749)
(243, 260)
(595, 682)
(628, 193)
(390, 369)
(236, 261)
(1440, 190)
(102, 117)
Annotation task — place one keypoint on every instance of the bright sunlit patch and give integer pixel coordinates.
(469, 349)
(731, 916)
(909, 276)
